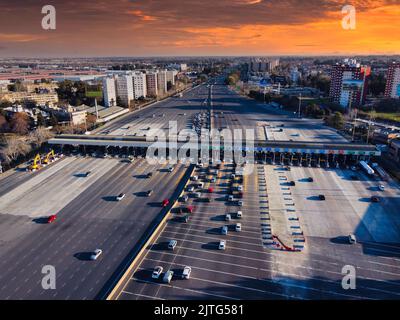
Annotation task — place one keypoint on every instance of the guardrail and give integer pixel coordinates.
(126, 274)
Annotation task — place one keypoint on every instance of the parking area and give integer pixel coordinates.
(250, 267)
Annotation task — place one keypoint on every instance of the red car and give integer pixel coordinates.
(190, 209)
(51, 218)
(165, 202)
(210, 190)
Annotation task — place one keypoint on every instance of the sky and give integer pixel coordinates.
(198, 28)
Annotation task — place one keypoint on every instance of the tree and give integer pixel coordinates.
(14, 147)
(19, 123)
(39, 136)
(4, 127)
(53, 120)
(41, 122)
(336, 120)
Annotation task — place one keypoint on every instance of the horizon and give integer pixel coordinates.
(168, 29)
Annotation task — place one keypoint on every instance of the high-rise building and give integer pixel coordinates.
(162, 82)
(125, 89)
(139, 85)
(151, 82)
(349, 81)
(171, 74)
(392, 89)
(109, 92)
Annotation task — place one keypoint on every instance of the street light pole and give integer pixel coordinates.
(299, 105)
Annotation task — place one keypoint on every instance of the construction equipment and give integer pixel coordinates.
(36, 163)
(50, 157)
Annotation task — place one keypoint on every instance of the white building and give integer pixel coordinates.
(124, 86)
(392, 89)
(171, 74)
(162, 82)
(109, 92)
(183, 67)
(152, 84)
(139, 85)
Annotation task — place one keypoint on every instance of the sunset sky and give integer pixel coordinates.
(198, 27)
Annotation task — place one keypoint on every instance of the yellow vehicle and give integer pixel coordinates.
(50, 157)
(36, 163)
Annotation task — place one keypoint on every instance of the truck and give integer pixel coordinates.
(366, 167)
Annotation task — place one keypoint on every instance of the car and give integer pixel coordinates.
(207, 200)
(353, 168)
(292, 183)
(185, 219)
(190, 188)
(240, 188)
(200, 165)
(352, 239)
(120, 196)
(52, 218)
(157, 272)
(168, 276)
(170, 169)
(240, 203)
(186, 272)
(213, 180)
(222, 245)
(228, 217)
(310, 179)
(375, 199)
(239, 214)
(96, 254)
(184, 198)
(381, 187)
(149, 174)
(233, 176)
(172, 244)
(165, 202)
(87, 174)
(224, 230)
(149, 193)
(196, 195)
(230, 198)
(321, 197)
(238, 227)
(288, 168)
(194, 178)
(210, 190)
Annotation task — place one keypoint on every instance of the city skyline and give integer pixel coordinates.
(226, 28)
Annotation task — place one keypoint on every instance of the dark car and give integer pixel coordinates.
(321, 197)
(375, 199)
(149, 175)
(292, 183)
(149, 193)
(310, 179)
(87, 174)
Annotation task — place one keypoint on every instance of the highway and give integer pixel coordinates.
(251, 267)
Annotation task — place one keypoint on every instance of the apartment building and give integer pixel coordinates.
(124, 86)
(139, 85)
(392, 89)
(152, 84)
(109, 92)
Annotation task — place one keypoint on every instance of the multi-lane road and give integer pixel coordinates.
(88, 217)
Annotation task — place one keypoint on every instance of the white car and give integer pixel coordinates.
(186, 272)
(230, 198)
(157, 272)
(238, 227)
(222, 245)
(195, 178)
(224, 230)
(120, 196)
(240, 188)
(196, 195)
(96, 254)
(352, 239)
(168, 276)
(381, 187)
(239, 214)
(240, 203)
(190, 188)
(170, 169)
(228, 217)
(172, 244)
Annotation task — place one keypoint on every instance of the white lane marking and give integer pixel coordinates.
(142, 295)
(186, 289)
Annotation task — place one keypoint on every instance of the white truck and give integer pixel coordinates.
(366, 167)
